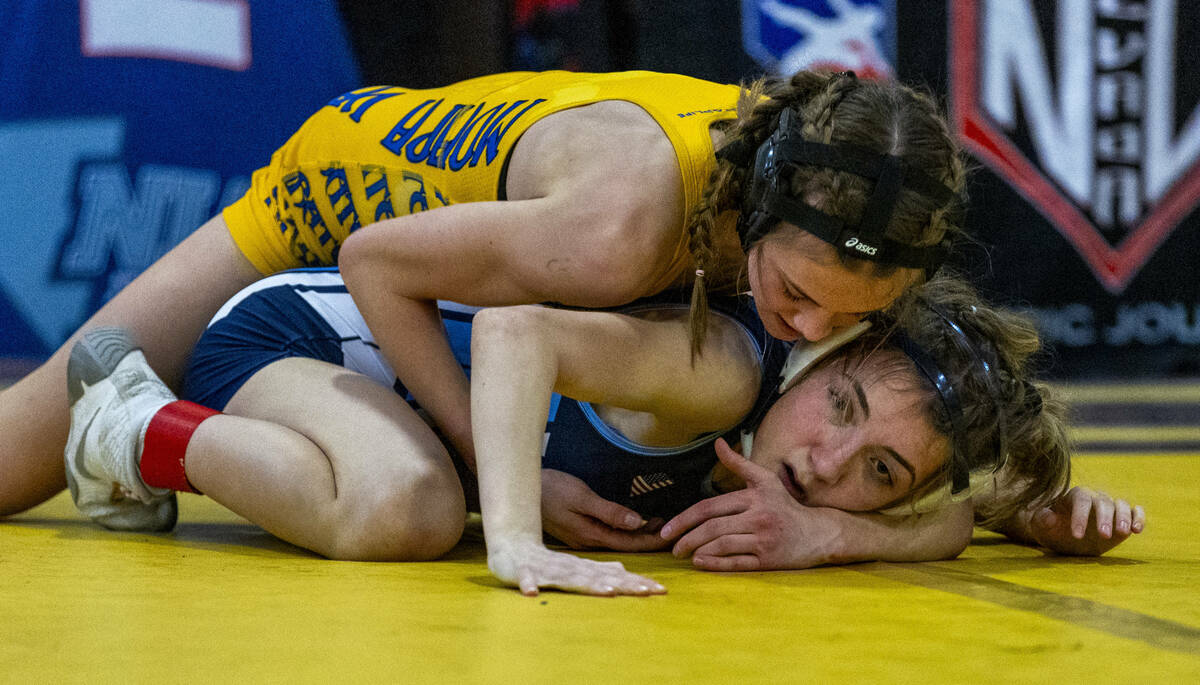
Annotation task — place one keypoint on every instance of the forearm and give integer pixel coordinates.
(410, 336)
(512, 379)
(942, 534)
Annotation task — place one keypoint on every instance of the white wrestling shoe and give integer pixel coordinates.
(114, 393)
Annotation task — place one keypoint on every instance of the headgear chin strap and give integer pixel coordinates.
(960, 471)
(804, 354)
(768, 200)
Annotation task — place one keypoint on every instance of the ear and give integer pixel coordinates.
(805, 354)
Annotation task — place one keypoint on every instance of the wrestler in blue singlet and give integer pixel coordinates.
(309, 313)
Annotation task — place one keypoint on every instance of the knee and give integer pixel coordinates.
(415, 517)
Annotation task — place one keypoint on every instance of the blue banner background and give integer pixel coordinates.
(108, 161)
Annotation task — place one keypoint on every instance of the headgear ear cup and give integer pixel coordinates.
(805, 354)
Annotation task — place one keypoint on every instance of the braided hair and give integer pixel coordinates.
(886, 118)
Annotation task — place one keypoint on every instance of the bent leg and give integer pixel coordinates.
(165, 308)
(330, 460)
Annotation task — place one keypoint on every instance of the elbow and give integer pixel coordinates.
(960, 531)
(354, 257)
(374, 270)
(955, 546)
(502, 327)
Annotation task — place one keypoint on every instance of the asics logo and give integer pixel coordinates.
(861, 247)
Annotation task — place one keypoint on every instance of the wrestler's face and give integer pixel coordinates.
(848, 437)
(802, 291)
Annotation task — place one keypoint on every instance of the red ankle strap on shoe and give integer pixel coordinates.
(166, 442)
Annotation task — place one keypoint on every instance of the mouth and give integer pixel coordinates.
(788, 333)
(787, 476)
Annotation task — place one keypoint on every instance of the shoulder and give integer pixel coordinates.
(608, 175)
(605, 147)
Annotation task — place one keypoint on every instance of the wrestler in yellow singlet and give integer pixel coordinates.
(383, 152)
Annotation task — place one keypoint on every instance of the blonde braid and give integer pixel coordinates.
(818, 111)
(723, 185)
(942, 220)
(819, 122)
(759, 105)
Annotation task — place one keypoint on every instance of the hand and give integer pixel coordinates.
(577, 516)
(1085, 523)
(530, 566)
(759, 528)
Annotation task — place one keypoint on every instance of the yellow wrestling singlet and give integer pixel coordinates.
(382, 152)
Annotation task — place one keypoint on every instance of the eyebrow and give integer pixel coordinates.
(862, 397)
(912, 473)
(866, 410)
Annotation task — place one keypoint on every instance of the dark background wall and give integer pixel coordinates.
(432, 42)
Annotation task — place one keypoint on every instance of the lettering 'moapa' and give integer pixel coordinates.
(478, 137)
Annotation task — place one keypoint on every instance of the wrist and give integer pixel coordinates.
(509, 543)
(1019, 527)
(836, 549)
(834, 546)
(852, 537)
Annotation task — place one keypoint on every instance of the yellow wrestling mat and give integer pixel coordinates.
(218, 600)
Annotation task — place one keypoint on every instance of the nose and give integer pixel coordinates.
(813, 323)
(829, 464)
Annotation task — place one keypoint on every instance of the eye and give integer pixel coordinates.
(793, 294)
(882, 472)
(843, 408)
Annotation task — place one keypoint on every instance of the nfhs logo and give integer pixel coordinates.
(1086, 128)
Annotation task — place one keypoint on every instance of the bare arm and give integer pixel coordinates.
(397, 269)
(573, 231)
(487, 253)
(520, 356)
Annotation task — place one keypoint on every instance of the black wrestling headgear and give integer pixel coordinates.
(767, 199)
(961, 468)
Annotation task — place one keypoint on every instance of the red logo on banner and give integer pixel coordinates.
(1097, 147)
